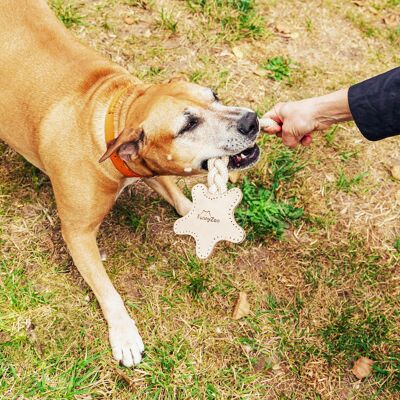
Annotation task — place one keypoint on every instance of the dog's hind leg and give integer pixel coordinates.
(167, 188)
(81, 212)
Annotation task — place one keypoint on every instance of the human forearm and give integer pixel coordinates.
(298, 119)
(331, 109)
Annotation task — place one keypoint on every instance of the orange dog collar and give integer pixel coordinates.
(109, 129)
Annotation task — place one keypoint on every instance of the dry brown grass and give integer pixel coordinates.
(316, 296)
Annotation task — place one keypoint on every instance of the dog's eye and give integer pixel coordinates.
(191, 124)
(216, 98)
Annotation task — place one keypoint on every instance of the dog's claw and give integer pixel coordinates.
(126, 343)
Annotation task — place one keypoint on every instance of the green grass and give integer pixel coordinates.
(397, 245)
(67, 12)
(346, 184)
(330, 135)
(168, 21)
(16, 290)
(238, 19)
(145, 4)
(261, 213)
(319, 299)
(359, 332)
(279, 67)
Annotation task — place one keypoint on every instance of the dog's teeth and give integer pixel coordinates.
(242, 156)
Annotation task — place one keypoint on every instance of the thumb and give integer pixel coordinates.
(270, 122)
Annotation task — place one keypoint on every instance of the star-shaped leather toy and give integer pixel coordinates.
(211, 219)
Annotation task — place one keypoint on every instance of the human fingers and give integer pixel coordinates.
(289, 139)
(306, 140)
(274, 114)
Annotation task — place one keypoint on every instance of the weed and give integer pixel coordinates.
(362, 24)
(67, 13)
(346, 184)
(279, 68)
(348, 155)
(75, 381)
(262, 213)
(168, 370)
(16, 290)
(283, 167)
(353, 334)
(145, 4)
(397, 245)
(197, 76)
(331, 134)
(130, 219)
(168, 21)
(309, 25)
(153, 71)
(197, 280)
(238, 18)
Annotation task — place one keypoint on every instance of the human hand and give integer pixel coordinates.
(297, 120)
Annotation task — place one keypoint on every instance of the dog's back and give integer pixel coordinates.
(40, 63)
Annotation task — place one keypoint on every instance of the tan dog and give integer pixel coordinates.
(57, 96)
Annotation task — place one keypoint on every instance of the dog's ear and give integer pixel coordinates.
(126, 144)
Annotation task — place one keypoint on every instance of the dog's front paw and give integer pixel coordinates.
(126, 343)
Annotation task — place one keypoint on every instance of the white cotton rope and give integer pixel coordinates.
(218, 167)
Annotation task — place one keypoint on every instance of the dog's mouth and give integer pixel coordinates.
(245, 159)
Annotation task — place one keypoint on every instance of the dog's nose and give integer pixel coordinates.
(248, 124)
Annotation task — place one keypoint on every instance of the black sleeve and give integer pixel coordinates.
(375, 105)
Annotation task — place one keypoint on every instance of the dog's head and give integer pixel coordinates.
(174, 128)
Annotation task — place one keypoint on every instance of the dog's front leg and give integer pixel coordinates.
(82, 207)
(167, 188)
(126, 343)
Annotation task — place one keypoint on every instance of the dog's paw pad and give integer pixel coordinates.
(126, 343)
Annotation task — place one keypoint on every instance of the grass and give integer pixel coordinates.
(168, 21)
(323, 295)
(347, 184)
(261, 213)
(279, 68)
(67, 12)
(397, 245)
(238, 19)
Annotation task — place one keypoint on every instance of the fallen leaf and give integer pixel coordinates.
(362, 367)
(395, 170)
(242, 307)
(129, 20)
